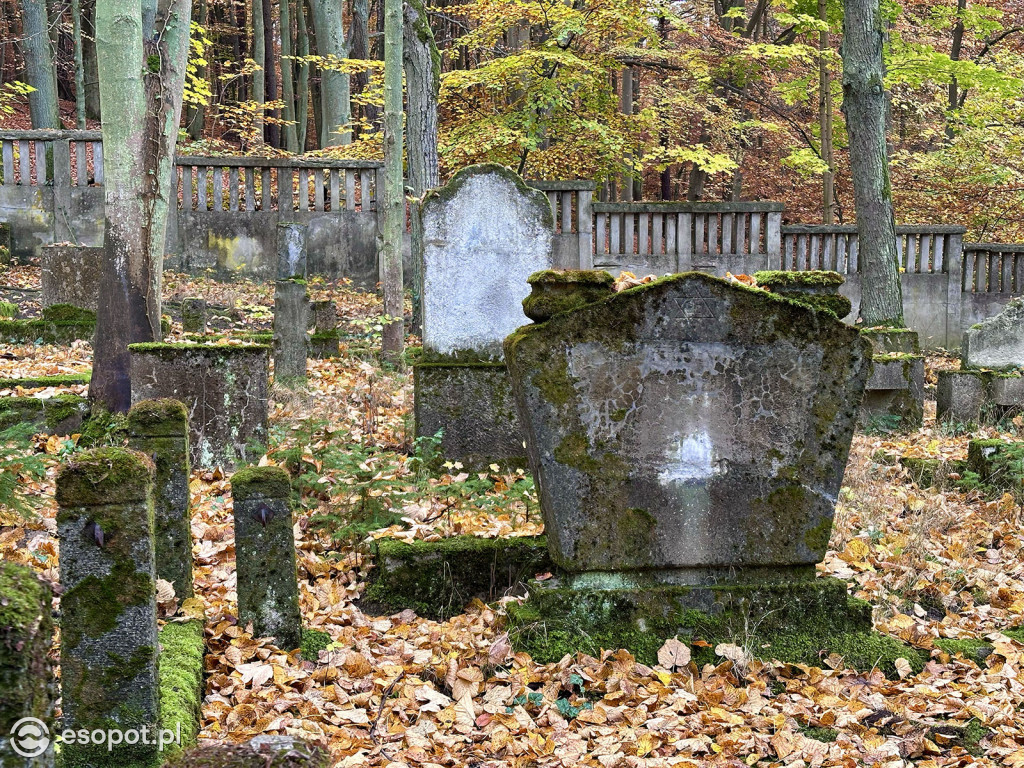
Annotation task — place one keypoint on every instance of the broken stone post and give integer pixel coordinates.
(484, 234)
(894, 394)
(159, 429)
(193, 315)
(291, 342)
(108, 649)
(324, 342)
(71, 274)
(268, 592)
(26, 674)
(291, 250)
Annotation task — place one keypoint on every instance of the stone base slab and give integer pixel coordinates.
(894, 394)
(977, 397)
(472, 405)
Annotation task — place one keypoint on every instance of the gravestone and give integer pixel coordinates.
(268, 593)
(193, 315)
(159, 429)
(108, 649)
(291, 250)
(894, 395)
(224, 388)
(26, 673)
(688, 439)
(71, 274)
(291, 341)
(484, 234)
(996, 342)
(325, 338)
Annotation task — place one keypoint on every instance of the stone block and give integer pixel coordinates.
(193, 315)
(59, 324)
(71, 274)
(687, 428)
(58, 415)
(291, 340)
(27, 688)
(1007, 392)
(961, 397)
(996, 342)
(159, 429)
(325, 315)
(224, 388)
(893, 341)
(894, 394)
(291, 250)
(108, 651)
(438, 578)
(268, 592)
(999, 464)
(816, 288)
(325, 345)
(472, 405)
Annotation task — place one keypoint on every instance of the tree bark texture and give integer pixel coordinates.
(39, 71)
(334, 87)
(392, 218)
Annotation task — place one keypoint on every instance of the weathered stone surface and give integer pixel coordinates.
(484, 234)
(817, 288)
(1007, 391)
(268, 593)
(960, 397)
(471, 404)
(324, 343)
(224, 388)
(893, 341)
(193, 315)
(686, 428)
(59, 324)
(108, 651)
(325, 315)
(291, 340)
(894, 395)
(60, 414)
(159, 429)
(554, 291)
(291, 250)
(26, 674)
(998, 341)
(998, 463)
(71, 275)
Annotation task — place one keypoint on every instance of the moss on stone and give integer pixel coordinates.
(314, 641)
(556, 291)
(15, 410)
(68, 314)
(101, 427)
(96, 603)
(8, 309)
(999, 464)
(260, 482)
(37, 382)
(162, 417)
(972, 650)
(181, 679)
(103, 476)
(810, 277)
(60, 408)
(162, 349)
(836, 304)
(437, 578)
(26, 632)
(572, 277)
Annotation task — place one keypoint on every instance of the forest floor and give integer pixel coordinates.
(405, 691)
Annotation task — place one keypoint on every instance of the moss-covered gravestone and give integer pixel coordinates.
(291, 340)
(818, 288)
(324, 342)
(688, 439)
(71, 274)
(268, 592)
(193, 315)
(108, 648)
(894, 394)
(485, 233)
(159, 429)
(26, 674)
(223, 386)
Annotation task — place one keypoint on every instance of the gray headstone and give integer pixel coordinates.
(268, 592)
(687, 428)
(108, 649)
(193, 315)
(960, 397)
(159, 429)
(325, 315)
(291, 340)
(224, 388)
(484, 234)
(71, 275)
(997, 342)
(291, 250)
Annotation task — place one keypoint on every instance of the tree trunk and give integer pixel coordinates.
(864, 105)
(423, 83)
(259, 48)
(291, 137)
(76, 31)
(302, 76)
(392, 212)
(828, 178)
(92, 76)
(954, 54)
(359, 48)
(140, 94)
(334, 89)
(272, 133)
(39, 71)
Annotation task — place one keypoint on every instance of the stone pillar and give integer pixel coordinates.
(193, 315)
(291, 250)
(324, 342)
(268, 592)
(291, 342)
(108, 651)
(70, 274)
(26, 675)
(159, 429)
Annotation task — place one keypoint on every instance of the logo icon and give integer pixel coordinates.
(30, 737)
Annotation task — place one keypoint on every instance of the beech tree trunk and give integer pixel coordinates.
(828, 179)
(392, 206)
(39, 71)
(423, 84)
(864, 105)
(301, 75)
(76, 31)
(142, 69)
(359, 48)
(291, 136)
(334, 88)
(259, 47)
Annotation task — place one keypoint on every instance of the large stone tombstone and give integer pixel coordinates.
(484, 234)
(996, 342)
(684, 434)
(71, 274)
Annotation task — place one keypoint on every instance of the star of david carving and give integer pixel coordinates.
(692, 307)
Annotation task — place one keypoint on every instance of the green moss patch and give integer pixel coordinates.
(26, 632)
(8, 309)
(437, 578)
(173, 351)
(314, 641)
(103, 476)
(181, 678)
(68, 314)
(38, 382)
(810, 277)
(260, 482)
(164, 417)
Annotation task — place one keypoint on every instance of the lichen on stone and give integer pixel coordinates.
(262, 482)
